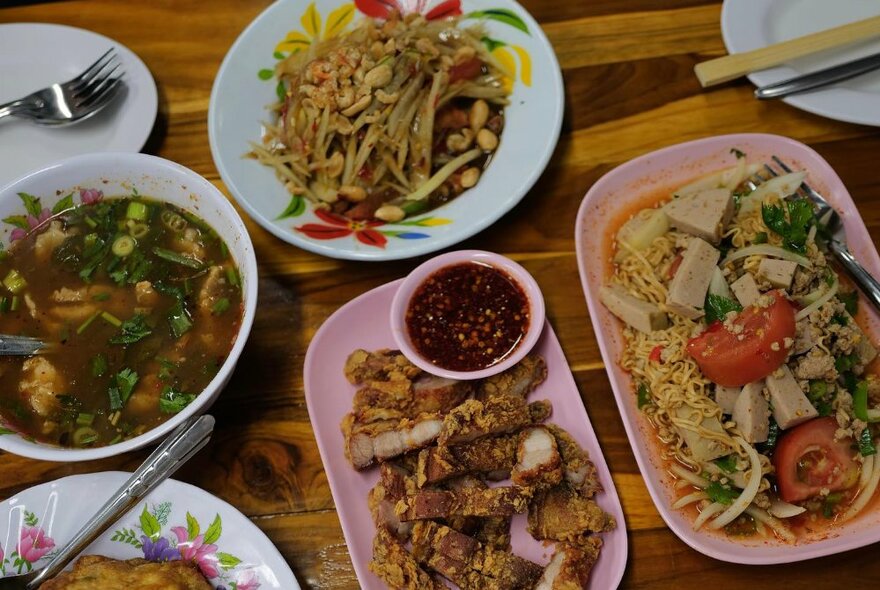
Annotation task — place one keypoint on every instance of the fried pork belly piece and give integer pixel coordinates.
(492, 531)
(96, 571)
(519, 380)
(411, 398)
(394, 484)
(459, 557)
(383, 440)
(570, 566)
(426, 504)
(579, 471)
(561, 514)
(537, 459)
(438, 394)
(494, 456)
(381, 365)
(500, 415)
(397, 567)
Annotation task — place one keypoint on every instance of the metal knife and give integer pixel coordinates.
(821, 78)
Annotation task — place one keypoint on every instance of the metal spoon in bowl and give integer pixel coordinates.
(22, 345)
(184, 442)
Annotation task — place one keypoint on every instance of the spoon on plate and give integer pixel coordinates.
(184, 442)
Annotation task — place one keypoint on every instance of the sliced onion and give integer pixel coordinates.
(707, 513)
(865, 494)
(690, 499)
(831, 292)
(718, 285)
(761, 515)
(690, 476)
(751, 490)
(767, 250)
(781, 509)
(867, 470)
(783, 186)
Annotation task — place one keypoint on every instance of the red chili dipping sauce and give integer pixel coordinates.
(467, 317)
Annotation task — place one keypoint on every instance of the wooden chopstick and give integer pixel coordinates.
(729, 67)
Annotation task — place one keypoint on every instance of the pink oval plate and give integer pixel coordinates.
(622, 189)
(364, 323)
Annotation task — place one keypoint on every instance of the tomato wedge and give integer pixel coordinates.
(466, 70)
(808, 459)
(752, 350)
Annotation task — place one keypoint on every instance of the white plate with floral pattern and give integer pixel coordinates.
(175, 521)
(245, 86)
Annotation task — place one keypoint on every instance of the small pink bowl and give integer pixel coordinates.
(412, 282)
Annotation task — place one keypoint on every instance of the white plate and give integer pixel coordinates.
(238, 106)
(176, 518)
(33, 56)
(752, 24)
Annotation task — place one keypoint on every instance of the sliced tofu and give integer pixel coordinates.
(752, 413)
(687, 291)
(641, 315)
(790, 406)
(778, 273)
(702, 449)
(726, 397)
(704, 214)
(745, 289)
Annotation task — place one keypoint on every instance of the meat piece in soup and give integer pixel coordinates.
(143, 301)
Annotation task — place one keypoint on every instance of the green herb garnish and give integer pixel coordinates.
(643, 396)
(172, 401)
(132, 331)
(717, 307)
(866, 443)
(723, 494)
(794, 229)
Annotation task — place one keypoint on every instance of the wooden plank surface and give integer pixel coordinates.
(630, 88)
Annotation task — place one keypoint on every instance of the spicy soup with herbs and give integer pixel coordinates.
(140, 303)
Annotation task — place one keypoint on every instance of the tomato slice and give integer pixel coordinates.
(754, 349)
(808, 459)
(466, 70)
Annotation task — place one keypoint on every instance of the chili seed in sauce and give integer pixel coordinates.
(467, 317)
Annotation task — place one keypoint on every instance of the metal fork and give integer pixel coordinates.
(830, 219)
(75, 100)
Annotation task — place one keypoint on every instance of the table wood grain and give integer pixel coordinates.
(630, 88)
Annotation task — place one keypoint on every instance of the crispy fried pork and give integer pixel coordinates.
(494, 456)
(579, 470)
(394, 484)
(91, 572)
(431, 539)
(561, 514)
(397, 567)
(380, 441)
(492, 531)
(410, 398)
(570, 566)
(380, 365)
(519, 380)
(537, 459)
(500, 415)
(426, 504)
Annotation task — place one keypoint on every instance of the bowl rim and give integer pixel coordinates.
(514, 270)
(195, 183)
(414, 248)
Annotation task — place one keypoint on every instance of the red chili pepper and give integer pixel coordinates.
(676, 262)
(655, 353)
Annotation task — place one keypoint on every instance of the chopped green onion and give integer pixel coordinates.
(90, 222)
(14, 282)
(83, 326)
(221, 306)
(172, 256)
(115, 440)
(643, 396)
(111, 319)
(4, 304)
(99, 365)
(15, 303)
(224, 250)
(101, 296)
(233, 277)
(123, 246)
(179, 320)
(137, 211)
(818, 389)
(137, 230)
(84, 419)
(860, 401)
(84, 435)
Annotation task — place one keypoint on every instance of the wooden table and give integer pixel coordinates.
(630, 89)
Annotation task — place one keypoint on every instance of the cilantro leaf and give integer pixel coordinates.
(122, 388)
(794, 229)
(727, 464)
(717, 307)
(723, 494)
(643, 396)
(172, 401)
(866, 443)
(850, 301)
(132, 331)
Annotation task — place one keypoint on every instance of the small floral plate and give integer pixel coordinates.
(176, 521)
(245, 86)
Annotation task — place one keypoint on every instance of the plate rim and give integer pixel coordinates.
(411, 250)
(143, 124)
(656, 488)
(610, 487)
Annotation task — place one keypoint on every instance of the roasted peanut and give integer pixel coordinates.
(386, 98)
(470, 177)
(345, 98)
(459, 142)
(390, 213)
(378, 76)
(360, 105)
(355, 194)
(335, 164)
(479, 115)
(324, 192)
(487, 140)
(377, 50)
